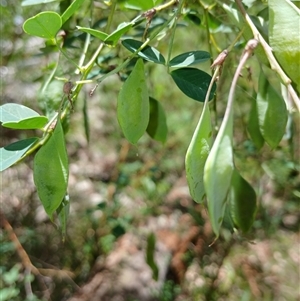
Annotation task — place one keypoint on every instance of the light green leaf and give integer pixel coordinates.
(141, 4)
(51, 171)
(133, 104)
(96, 33)
(34, 2)
(115, 36)
(197, 154)
(284, 31)
(17, 116)
(75, 5)
(242, 199)
(157, 127)
(45, 25)
(11, 153)
(217, 174)
(272, 112)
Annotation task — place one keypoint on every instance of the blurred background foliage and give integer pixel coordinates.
(116, 188)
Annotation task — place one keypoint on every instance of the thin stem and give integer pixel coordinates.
(176, 16)
(251, 45)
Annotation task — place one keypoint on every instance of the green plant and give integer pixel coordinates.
(92, 55)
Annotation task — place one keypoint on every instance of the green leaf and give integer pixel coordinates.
(141, 4)
(149, 53)
(51, 171)
(151, 241)
(45, 25)
(272, 112)
(189, 58)
(193, 83)
(34, 2)
(115, 36)
(133, 104)
(75, 5)
(17, 116)
(253, 127)
(217, 174)
(96, 33)
(284, 31)
(157, 126)
(197, 154)
(242, 199)
(11, 153)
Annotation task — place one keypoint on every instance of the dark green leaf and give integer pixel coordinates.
(272, 112)
(45, 25)
(133, 104)
(11, 153)
(157, 127)
(193, 83)
(197, 154)
(51, 171)
(148, 53)
(151, 241)
(284, 36)
(189, 58)
(75, 5)
(242, 198)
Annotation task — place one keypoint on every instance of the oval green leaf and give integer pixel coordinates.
(193, 83)
(133, 104)
(157, 126)
(51, 171)
(197, 154)
(11, 153)
(44, 25)
(284, 32)
(272, 112)
(218, 170)
(189, 58)
(242, 200)
(96, 33)
(149, 53)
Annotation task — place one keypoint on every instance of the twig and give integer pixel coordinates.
(272, 60)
